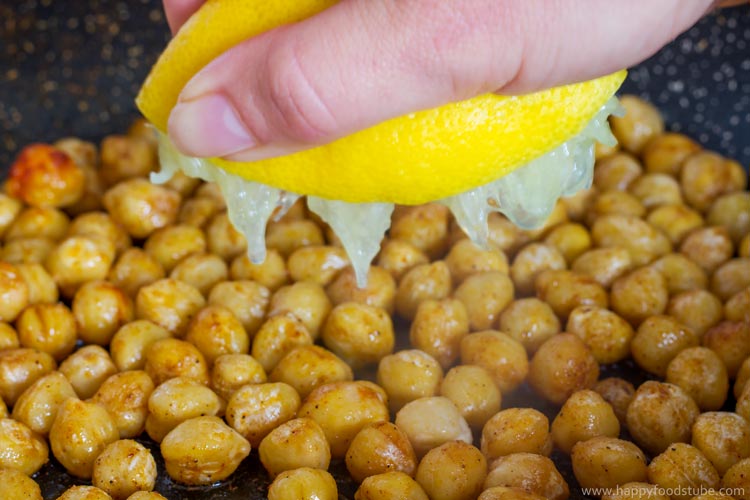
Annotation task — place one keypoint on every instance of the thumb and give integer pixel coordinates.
(362, 62)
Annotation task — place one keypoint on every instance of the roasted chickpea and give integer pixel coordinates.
(49, 328)
(397, 257)
(216, 331)
(556, 217)
(81, 152)
(504, 358)
(87, 369)
(618, 393)
(213, 191)
(182, 183)
(390, 486)
(682, 467)
(300, 442)
(737, 308)
(13, 290)
(577, 205)
(289, 235)
(562, 366)
(709, 247)
(8, 337)
(21, 448)
(699, 310)
(731, 341)
(125, 396)
(123, 468)
(743, 376)
(654, 190)
(45, 176)
(100, 225)
(701, 373)
(681, 273)
(278, 336)
(737, 480)
(9, 209)
(198, 212)
(607, 462)
(92, 192)
(146, 495)
(474, 393)
(660, 414)
(42, 288)
(723, 437)
(378, 448)
(530, 472)
(126, 157)
(203, 450)
(507, 493)
(38, 405)
(733, 212)
(409, 375)
(342, 409)
(38, 222)
(504, 235)
(141, 207)
(730, 278)
(380, 290)
(641, 123)
(516, 430)
(644, 242)
(584, 415)
(658, 340)
(248, 301)
(570, 239)
(453, 470)
(170, 304)
(100, 310)
(133, 270)
(232, 371)
(605, 333)
(438, 328)
(359, 334)
(254, 410)
(169, 358)
(171, 244)
(675, 221)
(304, 482)
(17, 485)
(617, 171)
(318, 264)
(466, 259)
(308, 367)
(129, 344)
(79, 259)
(272, 273)
(84, 493)
(424, 282)
(615, 203)
(177, 400)
(530, 261)
(640, 294)
(19, 368)
(529, 321)
(424, 226)
(565, 290)
(665, 153)
(430, 422)
(27, 250)
(706, 175)
(604, 265)
(485, 295)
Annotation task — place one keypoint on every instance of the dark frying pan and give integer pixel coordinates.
(72, 68)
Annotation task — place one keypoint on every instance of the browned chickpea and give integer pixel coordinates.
(577, 205)
(141, 207)
(22, 449)
(198, 211)
(169, 358)
(123, 468)
(84, 493)
(18, 485)
(701, 373)
(380, 290)
(730, 278)
(639, 238)
(359, 334)
(213, 191)
(618, 393)
(203, 271)
(13, 290)
(300, 442)
(304, 482)
(308, 367)
(438, 328)
(169, 303)
(504, 235)
(42, 288)
(423, 282)
(286, 236)
(604, 332)
(135, 269)
(604, 265)
(126, 157)
(616, 172)
(529, 321)
(743, 375)
(183, 184)
(100, 225)
(636, 491)
(737, 308)
(424, 226)
(232, 371)
(129, 344)
(466, 259)
(38, 405)
(584, 415)
(737, 480)
(34, 222)
(8, 337)
(565, 290)
(248, 301)
(175, 401)
(171, 244)
(390, 486)
(655, 190)
(709, 247)
(602, 150)
(665, 153)
(660, 414)
(731, 341)
(516, 430)
(504, 358)
(79, 259)
(485, 295)
(699, 310)
(409, 375)
(19, 368)
(223, 239)
(272, 273)
(676, 221)
(607, 462)
(474, 393)
(571, 240)
(307, 301)
(378, 448)
(397, 257)
(452, 471)
(216, 331)
(532, 473)
(531, 261)
(45, 176)
(681, 273)
(318, 264)
(641, 123)
(562, 366)
(278, 336)
(431, 422)
(640, 294)
(9, 209)
(706, 176)
(87, 369)
(100, 309)
(658, 340)
(733, 212)
(49, 328)
(125, 396)
(723, 437)
(92, 192)
(27, 250)
(683, 467)
(507, 493)
(615, 203)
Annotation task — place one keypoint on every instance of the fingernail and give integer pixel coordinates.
(208, 126)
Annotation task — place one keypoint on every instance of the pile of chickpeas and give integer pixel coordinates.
(130, 309)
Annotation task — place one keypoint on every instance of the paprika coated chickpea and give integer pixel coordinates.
(504, 359)
(699, 310)
(170, 244)
(170, 304)
(232, 371)
(37, 407)
(27, 250)
(215, 331)
(465, 259)
(665, 153)
(616, 172)
(254, 410)
(141, 207)
(737, 308)
(271, 273)
(16, 484)
(565, 290)
(607, 335)
(675, 221)
(125, 396)
(425, 227)
(223, 239)
(378, 448)
(640, 294)
(427, 282)
(474, 393)
(87, 369)
(485, 295)
(731, 341)
(584, 415)
(453, 471)
(604, 265)
(398, 257)
(438, 328)
(42, 288)
(533, 473)
(529, 321)
(615, 203)
(643, 241)
(723, 437)
(607, 462)
(123, 468)
(706, 175)
(21, 448)
(641, 123)
(709, 247)
(319, 264)
(516, 430)
(21, 367)
(733, 212)
(530, 261)
(408, 375)
(681, 273)
(390, 486)
(38, 222)
(430, 422)
(308, 367)
(655, 190)
(658, 340)
(169, 358)
(618, 393)
(682, 467)
(304, 482)
(84, 493)
(100, 310)
(126, 157)
(278, 336)
(287, 236)
(177, 400)
(636, 490)
(359, 334)
(562, 366)
(133, 270)
(730, 278)
(307, 301)
(701, 373)
(128, 346)
(202, 271)
(380, 290)
(571, 240)
(13, 290)
(49, 328)
(101, 225)
(299, 442)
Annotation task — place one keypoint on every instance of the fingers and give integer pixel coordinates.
(178, 11)
(362, 62)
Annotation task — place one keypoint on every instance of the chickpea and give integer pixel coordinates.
(79, 434)
(681, 273)
(699, 310)
(126, 157)
(644, 242)
(737, 308)
(577, 205)
(231, 371)
(129, 344)
(272, 273)
(216, 331)
(87, 369)
(616, 172)
(342, 409)
(169, 245)
(42, 288)
(504, 235)
(466, 259)
(562, 366)
(197, 212)
(398, 257)
(182, 183)
(557, 217)
(736, 479)
(91, 199)
(38, 222)
(380, 290)
(125, 396)
(146, 495)
(604, 265)
(288, 236)
(38, 405)
(203, 450)
(359, 334)
(21, 448)
(731, 341)
(504, 358)
(743, 375)
(84, 493)
(300, 442)
(123, 468)
(430, 422)
(141, 207)
(278, 336)
(615, 203)
(9, 209)
(682, 467)
(618, 393)
(100, 310)
(100, 225)
(529, 321)
(584, 415)
(255, 410)
(318, 264)
(604, 332)
(730, 278)
(675, 221)
(701, 373)
(248, 301)
(665, 153)
(709, 247)
(531, 261)
(308, 367)
(425, 282)
(706, 176)
(8, 337)
(474, 393)
(213, 191)
(169, 358)
(535, 474)
(660, 414)
(19, 368)
(516, 430)
(570, 239)
(14, 292)
(655, 190)
(77, 260)
(453, 470)
(507, 493)
(485, 295)
(658, 340)
(640, 294)
(607, 462)
(170, 304)
(424, 226)
(177, 400)
(390, 486)
(44, 176)
(133, 270)
(18, 485)
(641, 123)
(723, 437)
(733, 212)
(378, 448)
(438, 328)
(27, 250)
(409, 375)
(565, 290)
(304, 482)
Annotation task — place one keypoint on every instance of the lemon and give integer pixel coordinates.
(422, 157)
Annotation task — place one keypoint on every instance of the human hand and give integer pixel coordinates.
(362, 62)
